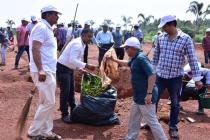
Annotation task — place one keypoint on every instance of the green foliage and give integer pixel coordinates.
(198, 38)
(92, 85)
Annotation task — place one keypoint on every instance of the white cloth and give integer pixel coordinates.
(73, 55)
(148, 113)
(30, 26)
(104, 38)
(43, 33)
(43, 119)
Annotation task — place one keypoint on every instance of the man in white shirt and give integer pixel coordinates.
(105, 40)
(43, 53)
(71, 59)
(31, 25)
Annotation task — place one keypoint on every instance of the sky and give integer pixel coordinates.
(96, 10)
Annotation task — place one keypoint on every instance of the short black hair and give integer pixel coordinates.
(86, 31)
(46, 13)
(174, 22)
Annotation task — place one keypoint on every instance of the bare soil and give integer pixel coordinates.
(15, 86)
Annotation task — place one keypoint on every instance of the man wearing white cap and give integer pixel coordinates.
(43, 52)
(144, 91)
(105, 40)
(31, 25)
(206, 46)
(169, 58)
(118, 40)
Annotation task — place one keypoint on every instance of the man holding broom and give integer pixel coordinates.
(43, 53)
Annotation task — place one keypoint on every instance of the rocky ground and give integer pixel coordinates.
(15, 86)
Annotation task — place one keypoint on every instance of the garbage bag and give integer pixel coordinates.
(97, 110)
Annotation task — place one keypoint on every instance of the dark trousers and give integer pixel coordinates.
(60, 47)
(174, 87)
(86, 54)
(21, 49)
(120, 53)
(207, 56)
(65, 77)
(102, 50)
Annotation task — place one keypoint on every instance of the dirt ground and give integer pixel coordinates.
(15, 87)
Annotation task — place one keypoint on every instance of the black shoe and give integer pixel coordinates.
(67, 119)
(39, 137)
(173, 134)
(144, 126)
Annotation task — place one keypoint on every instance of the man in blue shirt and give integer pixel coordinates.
(138, 33)
(105, 40)
(144, 91)
(62, 31)
(118, 40)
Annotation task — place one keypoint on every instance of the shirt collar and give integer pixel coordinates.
(47, 23)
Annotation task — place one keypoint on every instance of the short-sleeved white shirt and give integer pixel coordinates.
(43, 33)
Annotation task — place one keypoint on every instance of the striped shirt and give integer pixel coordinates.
(169, 56)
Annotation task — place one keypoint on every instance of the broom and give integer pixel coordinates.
(24, 114)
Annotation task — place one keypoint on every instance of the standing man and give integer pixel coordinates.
(10, 35)
(61, 36)
(4, 42)
(71, 59)
(138, 33)
(31, 25)
(169, 58)
(43, 50)
(144, 91)
(105, 40)
(118, 39)
(206, 46)
(22, 41)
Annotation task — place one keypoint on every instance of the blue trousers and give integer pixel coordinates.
(174, 87)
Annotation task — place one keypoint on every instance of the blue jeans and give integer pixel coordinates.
(174, 87)
(3, 53)
(65, 77)
(20, 52)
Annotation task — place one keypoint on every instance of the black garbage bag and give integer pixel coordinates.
(97, 110)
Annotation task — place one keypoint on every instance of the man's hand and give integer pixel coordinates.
(90, 67)
(198, 84)
(148, 99)
(42, 76)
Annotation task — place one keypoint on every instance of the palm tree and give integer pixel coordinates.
(92, 22)
(144, 21)
(108, 22)
(10, 23)
(127, 21)
(197, 9)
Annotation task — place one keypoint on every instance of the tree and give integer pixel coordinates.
(144, 21)
(92, 22)
(10, 23)
(108, 22)
(197, 9)
(127, 21)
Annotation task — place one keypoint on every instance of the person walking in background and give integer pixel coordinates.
(169, 58)
(144, 91)
(105, 40)
(10, 35)
(31, 25)
(22, 41)
(118, 40)
(61, 36)
(206, 46)
(71, 59)
(4, 41)
(138, 33)
(43, 50)
(155, 39)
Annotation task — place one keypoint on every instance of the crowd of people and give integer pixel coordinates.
(42, 40)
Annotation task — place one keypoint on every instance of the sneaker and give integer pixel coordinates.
(16, 67)
(144, 126)
(66, 119)
(53, 136)
(200, 112)
(173, 134)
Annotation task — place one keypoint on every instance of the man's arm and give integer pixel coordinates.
(156, 54)
(120, 62)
